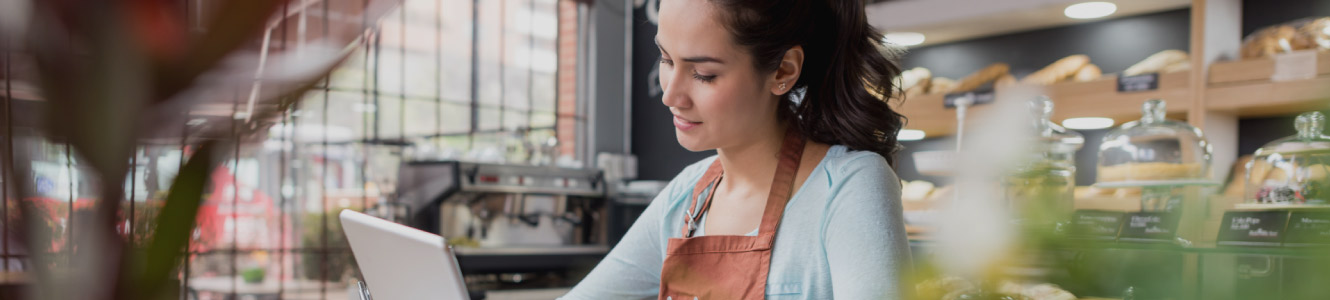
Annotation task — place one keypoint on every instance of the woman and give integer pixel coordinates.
(829, 223)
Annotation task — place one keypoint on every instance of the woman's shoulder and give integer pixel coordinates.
(842, 162)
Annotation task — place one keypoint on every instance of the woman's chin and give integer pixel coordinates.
(691, 143)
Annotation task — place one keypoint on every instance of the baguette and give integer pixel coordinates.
(983, 76)
(1157, 62)
(941, 85)
(1005, 81)
(1058, 70)
(1089, 72)
(1181, 66)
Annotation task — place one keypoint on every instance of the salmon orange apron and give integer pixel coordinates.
(728, 267)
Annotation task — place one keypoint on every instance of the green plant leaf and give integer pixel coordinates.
(176, 222)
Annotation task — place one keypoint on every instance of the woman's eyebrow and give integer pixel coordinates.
(658, 46)
(691, 59)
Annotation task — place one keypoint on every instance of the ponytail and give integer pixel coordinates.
(842, 61)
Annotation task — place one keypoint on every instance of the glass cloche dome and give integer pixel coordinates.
(1043, 187)
(1054, 142)
(1295, 169)
(1154, 151)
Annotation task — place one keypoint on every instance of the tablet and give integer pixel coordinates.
(400, 262)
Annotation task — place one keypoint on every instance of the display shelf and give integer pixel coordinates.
(1266, 98)
(1097, 98)
(1256, 70)
(1100, 98)
(926, 113)
(1244, 88)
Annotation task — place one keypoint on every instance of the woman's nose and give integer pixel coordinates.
(675, 89)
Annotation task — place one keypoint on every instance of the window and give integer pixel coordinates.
(437, 79)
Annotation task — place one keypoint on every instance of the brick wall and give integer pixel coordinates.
(566, 130)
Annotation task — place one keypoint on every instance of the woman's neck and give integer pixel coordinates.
(750, 167)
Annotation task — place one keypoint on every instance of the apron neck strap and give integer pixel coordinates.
(782, 187)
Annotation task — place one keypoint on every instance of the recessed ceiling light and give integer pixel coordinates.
(1090, 123)
(1090, 10)
(904, 38)
(910, 135)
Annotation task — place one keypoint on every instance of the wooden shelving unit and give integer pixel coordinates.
(1098, 98)
(1212, 95)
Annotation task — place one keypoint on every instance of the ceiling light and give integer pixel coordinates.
(904, 38)
(1090, 10)
(910, 135)
(1090, 123)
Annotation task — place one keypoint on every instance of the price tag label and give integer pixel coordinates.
(977, 97)
(1138, 83)
(1096, 224)
(1150, 227)
(1296, 65)
(1308, 228)
(1253, 228)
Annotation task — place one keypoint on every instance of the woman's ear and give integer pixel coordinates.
(788, 73)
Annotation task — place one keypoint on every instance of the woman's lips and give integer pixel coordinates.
(683, 124)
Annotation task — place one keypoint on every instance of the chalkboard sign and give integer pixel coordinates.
(1150, 227)
(981, 96)
(1253, 228)
(1138, 83)
(1096, 224)
(1308, 228)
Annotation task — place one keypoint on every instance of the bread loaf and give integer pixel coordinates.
(1317, 32)
(1181, 66)
(919, 89)
(1158, 62)
(1005, 80)
(983, 76)
(1274, 40)
(941, 85)
(915, 81)
(913, 77)
(1058, 70)
(1089, 72)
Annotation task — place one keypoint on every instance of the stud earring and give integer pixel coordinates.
(782, 86)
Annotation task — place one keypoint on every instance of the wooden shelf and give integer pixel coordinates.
(1244, 88)
(1098, 98)
(1256, 70)
(926, 112)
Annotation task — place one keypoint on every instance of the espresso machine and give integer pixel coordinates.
(512, 226)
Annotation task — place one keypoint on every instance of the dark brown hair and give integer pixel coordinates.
(842, 53)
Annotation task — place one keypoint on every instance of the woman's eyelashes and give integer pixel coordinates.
(697, 76)
(704, 78)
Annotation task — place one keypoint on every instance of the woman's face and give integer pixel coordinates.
(716, 95)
